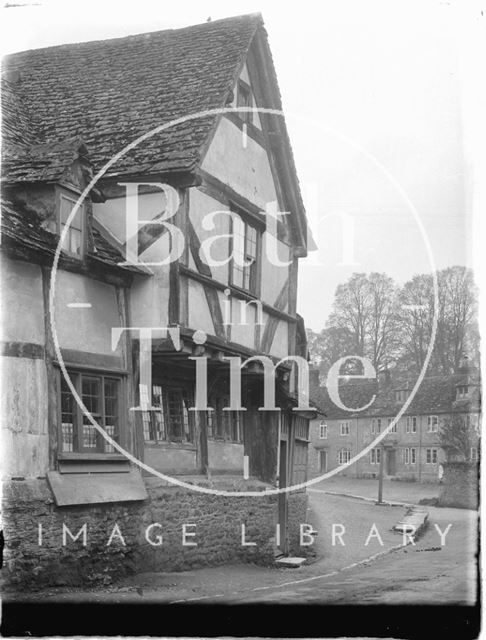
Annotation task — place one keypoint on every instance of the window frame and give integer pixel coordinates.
(411, 424)
(413, 455)
(254, 282)
(323, 430)
(224, 424)
(473, 454)
(76, 375)
(462, 391)
(375, 455)
(394, 429)
(241, 89)
(430, 454)
(72, 196)
(344, 428)
(150, 422)
(347, 453)
(432, 426)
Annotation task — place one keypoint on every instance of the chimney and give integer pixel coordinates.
(314, 382)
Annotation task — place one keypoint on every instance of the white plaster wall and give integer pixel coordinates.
(200, 205)
(273, 275)
(22, 301)
(85, 329)
(199, 314)
(245, 169)
(112, 213)
(24, 441)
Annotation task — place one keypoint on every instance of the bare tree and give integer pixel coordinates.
(365, 307)
(457, 331)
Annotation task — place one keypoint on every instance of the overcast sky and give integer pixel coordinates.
(376, 96)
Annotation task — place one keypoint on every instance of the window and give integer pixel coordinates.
(431, 456)
(411, 424)
(101, 396)
(432, 424)
(394, 429)
(473, 456)
(344, 456)
(322, 430)
(472, 422)
(413, 455)
(345, 428)
(376, 425)
(245, 100)
(401, 395)
(375, 456)
(244, 263)
(170, 419)
(74, 241)
(462, 391)
(223, 425)
(406, 456)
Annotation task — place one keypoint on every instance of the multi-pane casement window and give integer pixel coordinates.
(169, 419)
(394, 429)
(375, 456)
(322, 431)
(244, 250)
(410, 456)
(344, 428)
(473, 454)
(411, 424)
(431, 456)
(101, 396)
(344, 456)
(376, 425)
(223, 425)
(75, 235)
(432, 424)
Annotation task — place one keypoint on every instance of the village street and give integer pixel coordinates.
(367, 564)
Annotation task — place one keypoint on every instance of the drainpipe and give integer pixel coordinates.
(420, 451)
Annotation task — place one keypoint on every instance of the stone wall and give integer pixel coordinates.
(459, 486)
(218, 524)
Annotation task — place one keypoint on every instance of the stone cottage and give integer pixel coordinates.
(413, 449)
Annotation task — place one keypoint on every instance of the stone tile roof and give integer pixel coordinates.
(436, 394)
(110, 92)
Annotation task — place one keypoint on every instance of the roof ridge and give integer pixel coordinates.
(255, 16)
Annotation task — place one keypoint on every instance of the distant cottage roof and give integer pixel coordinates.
(436, 394)
(110, 92)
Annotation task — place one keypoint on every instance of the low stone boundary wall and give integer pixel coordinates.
(114, 540)
(459, 486)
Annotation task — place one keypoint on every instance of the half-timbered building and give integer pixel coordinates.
(209, 154)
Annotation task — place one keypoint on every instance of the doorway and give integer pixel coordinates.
(323, 461)
(391, 462)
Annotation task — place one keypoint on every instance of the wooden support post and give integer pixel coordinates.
(380, 477)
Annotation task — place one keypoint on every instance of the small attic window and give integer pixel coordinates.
(401, 395)
(74, 241)
(462, 391)
(245, 100)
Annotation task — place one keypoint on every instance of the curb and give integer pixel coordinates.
(388, 503)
